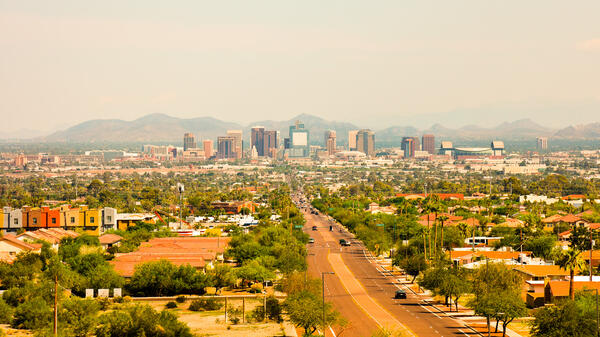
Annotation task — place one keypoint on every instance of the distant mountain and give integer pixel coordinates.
(164, 128)
(585, 131)
(150, 128)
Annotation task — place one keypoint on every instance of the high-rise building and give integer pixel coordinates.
(208, 148)
(237, 144)
(542, 143)
(271, 143)
(415, 145)
(409, 147)
(299, 141)
(189, 141)
(257, 140)
(429, 143)
(352, 140)
(226, 147)
(330, 142)
(365, 142)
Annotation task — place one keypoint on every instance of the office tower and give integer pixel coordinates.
(271, 143)
(365, 142)
(226, 147)
(237, 144)
(208, 148)
(189, 141)
(299, 140)
(542, 144)
(352, 140)
(408, 145)
(429, 143)
(497, 148)
(257, 140)
(330, 142)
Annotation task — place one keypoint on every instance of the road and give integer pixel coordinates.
(363, 294)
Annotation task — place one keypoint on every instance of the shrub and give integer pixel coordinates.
(205, 304)
(257, 315)
(234, 314)
(180, 299)
(104, 303)
(33, 314)
(171, 305)
(273, 309)
(256, 288)
(6, 312)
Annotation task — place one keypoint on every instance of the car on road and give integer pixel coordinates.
(311, 240)
(344, 242)
(400, 294)
(314, 228)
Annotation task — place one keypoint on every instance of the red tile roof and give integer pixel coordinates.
(561, 288)
(107, 239)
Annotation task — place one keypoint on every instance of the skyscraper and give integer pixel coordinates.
(409, 147)
(352, 140)
(330, 142)
(208, 148)
(428, 143)
(271, 143)
(189, 141)
(237, 144)
(299, 140)
(542, 143)
(257, 140)
(225, 147)
(365, 142)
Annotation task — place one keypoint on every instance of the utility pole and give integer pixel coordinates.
(591, 250)
(56, 304)
(180, 188)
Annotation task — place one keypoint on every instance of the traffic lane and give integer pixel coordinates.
(418, 316)
(411, 312)
(358, 323)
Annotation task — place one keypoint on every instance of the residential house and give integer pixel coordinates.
(10, 246)
(110, 240)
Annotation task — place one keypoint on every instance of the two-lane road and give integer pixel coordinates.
(363, 294)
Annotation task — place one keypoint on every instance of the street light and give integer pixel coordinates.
(323, 292)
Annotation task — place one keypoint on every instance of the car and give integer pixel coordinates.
(314, 228)
(311, 240)
(400, 294)
(344, 242)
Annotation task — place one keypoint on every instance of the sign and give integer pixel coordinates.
(117, 292)
(380, 225)
(89, 293)
(298, 226)
(103, 292)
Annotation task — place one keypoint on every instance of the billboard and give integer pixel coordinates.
(299, 139)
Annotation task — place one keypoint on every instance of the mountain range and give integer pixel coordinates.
(164, 128)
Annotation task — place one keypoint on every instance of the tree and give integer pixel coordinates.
(497, 291)
(305, 310)
(152, 278)
(33, 314)
(253, 271)
(79, 316)
(571, 261)
(566, 318)
(222, 275)
(455, 284)
(413, 265)
(6, 312)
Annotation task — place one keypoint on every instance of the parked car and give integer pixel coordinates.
(314, 228)
(400, 294)
(344, 242)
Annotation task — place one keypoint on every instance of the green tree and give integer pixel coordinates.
(33, 314)
(78, 317)
(566, 318)
(305, 310)
(222, 275)
(497, 291)
(253, 271)
(413, 265)
(140, 320)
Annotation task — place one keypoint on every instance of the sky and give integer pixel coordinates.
(372, 63)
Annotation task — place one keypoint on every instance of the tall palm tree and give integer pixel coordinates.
(571, 261)
(442, 218)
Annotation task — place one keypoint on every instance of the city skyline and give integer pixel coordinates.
(350, 62)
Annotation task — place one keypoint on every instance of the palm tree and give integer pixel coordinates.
(442, 219)
(572, 261)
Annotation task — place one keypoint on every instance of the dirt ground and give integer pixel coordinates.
(15, 333)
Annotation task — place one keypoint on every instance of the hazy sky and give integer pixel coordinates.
(372, 62)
